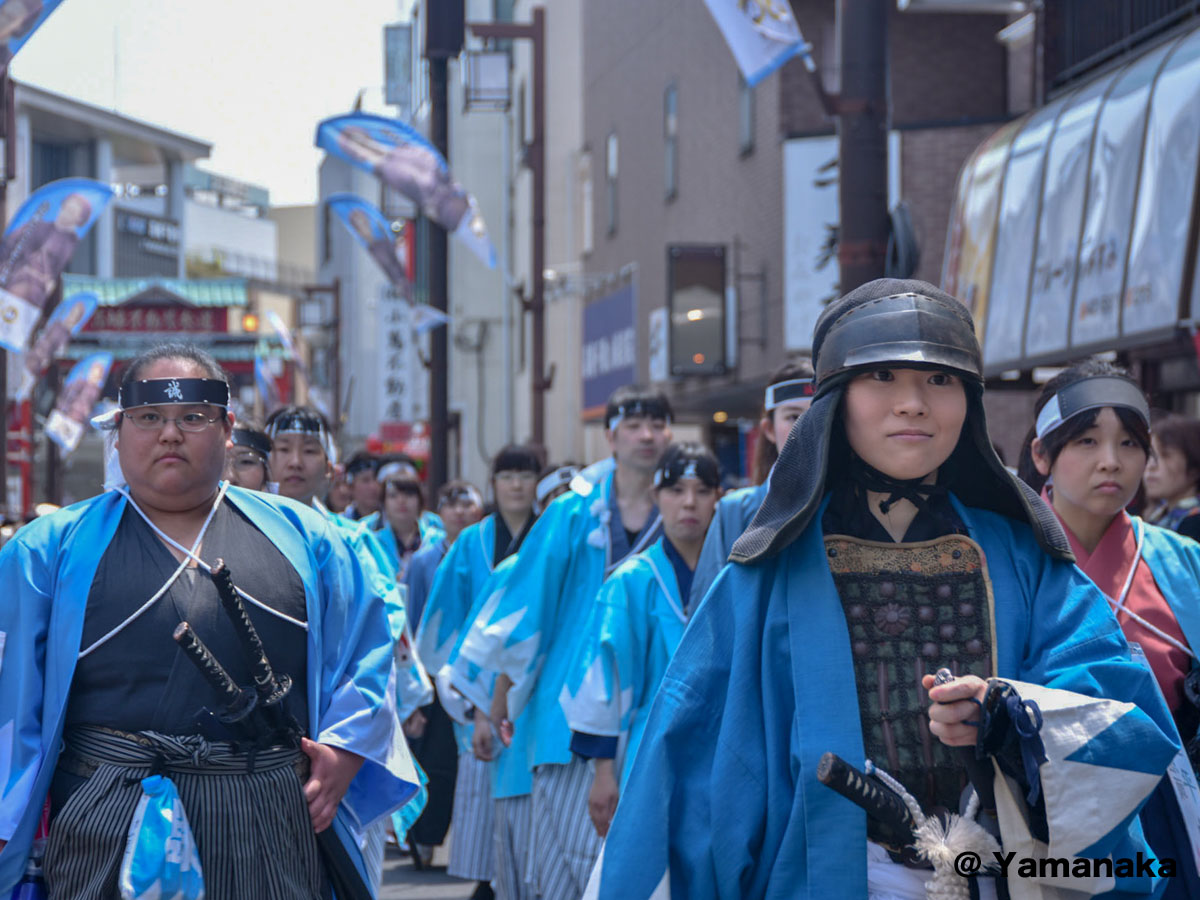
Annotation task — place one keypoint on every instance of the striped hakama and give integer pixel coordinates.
(250, 821)
(471, 851)
(565, 844)
(514, 841)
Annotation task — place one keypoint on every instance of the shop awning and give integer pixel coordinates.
(1072, 227)
(192, 291)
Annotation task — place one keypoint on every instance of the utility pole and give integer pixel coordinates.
(443, 41)
(535, 155)
(863, 118)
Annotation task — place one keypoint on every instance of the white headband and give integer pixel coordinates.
(560, 477)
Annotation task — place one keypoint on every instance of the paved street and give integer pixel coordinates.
(403, 882)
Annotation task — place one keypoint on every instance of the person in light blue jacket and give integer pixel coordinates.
(636, 624)
(788, 396)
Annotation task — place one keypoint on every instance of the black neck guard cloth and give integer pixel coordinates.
(161, 391)
(889, 324)
(1092, 393)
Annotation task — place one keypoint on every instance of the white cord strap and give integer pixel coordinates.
(1119, 606)
(167, 584)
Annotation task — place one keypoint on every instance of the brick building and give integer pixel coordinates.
(710, 202)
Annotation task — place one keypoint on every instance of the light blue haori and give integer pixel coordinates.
(529, 633)
(734, 512)
(426, 528)
(414, 688)
(1174, 561)
(456, 586)
(512, 774)
(723, 799)
(636, 623)
(419, 577)
(47, 571)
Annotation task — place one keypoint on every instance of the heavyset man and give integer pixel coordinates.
(95, 694)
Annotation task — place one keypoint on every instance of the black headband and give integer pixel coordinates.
(785, 391)
(161, 391)
(1092, 393)
(252, 440)
(654, 409)
(703, 468)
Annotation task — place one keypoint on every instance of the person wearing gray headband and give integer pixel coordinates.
(1088, 452)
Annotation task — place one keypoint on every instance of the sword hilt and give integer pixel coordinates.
(266, 685)
(879, 801)
(237, 703)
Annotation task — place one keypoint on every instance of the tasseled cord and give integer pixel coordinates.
(941, 844)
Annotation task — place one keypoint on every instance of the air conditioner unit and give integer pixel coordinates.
(992, 7)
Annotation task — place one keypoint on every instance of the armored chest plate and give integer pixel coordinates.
(911, 609)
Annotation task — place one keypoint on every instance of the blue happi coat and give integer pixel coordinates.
(47, 570)
(414, 688)
(512, 775)
(531, 632)
(456, 585)
(429, 526)
(1174, 561)
(636, 623)
(723, 799)
(734, 512)
(419, 577)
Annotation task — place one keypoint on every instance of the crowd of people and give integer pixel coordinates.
(615, 680)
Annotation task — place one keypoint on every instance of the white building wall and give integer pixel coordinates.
(210, 228)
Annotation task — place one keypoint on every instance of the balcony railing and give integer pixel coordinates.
(1081, 35)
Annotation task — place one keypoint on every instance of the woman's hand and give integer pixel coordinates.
(602, 800)
(951, 708)
(481, 739)
(332, 770)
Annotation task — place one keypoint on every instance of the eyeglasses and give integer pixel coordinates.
(192, 422)
(513, 477)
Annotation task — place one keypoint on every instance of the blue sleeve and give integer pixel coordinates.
(446, 608)
(28, 579)
(514, 637)
(359, 677)
(695, 807)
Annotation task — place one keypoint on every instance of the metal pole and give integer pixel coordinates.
(439, 419)
(862, 131)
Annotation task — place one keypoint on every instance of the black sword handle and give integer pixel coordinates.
(979, 771)
(265, 683)
(237, 703)
(879, 801)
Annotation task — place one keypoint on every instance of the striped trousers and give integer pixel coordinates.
(250, 824)
(471, 849)
(565, 844)
(514, 838)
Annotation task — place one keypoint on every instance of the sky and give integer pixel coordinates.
(251, 77)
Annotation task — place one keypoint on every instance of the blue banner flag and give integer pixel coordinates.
(384, 243)
(19, 19)
(80, 393)
(64, 323)
(762, 34)
(404, 160)
(36, 247)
